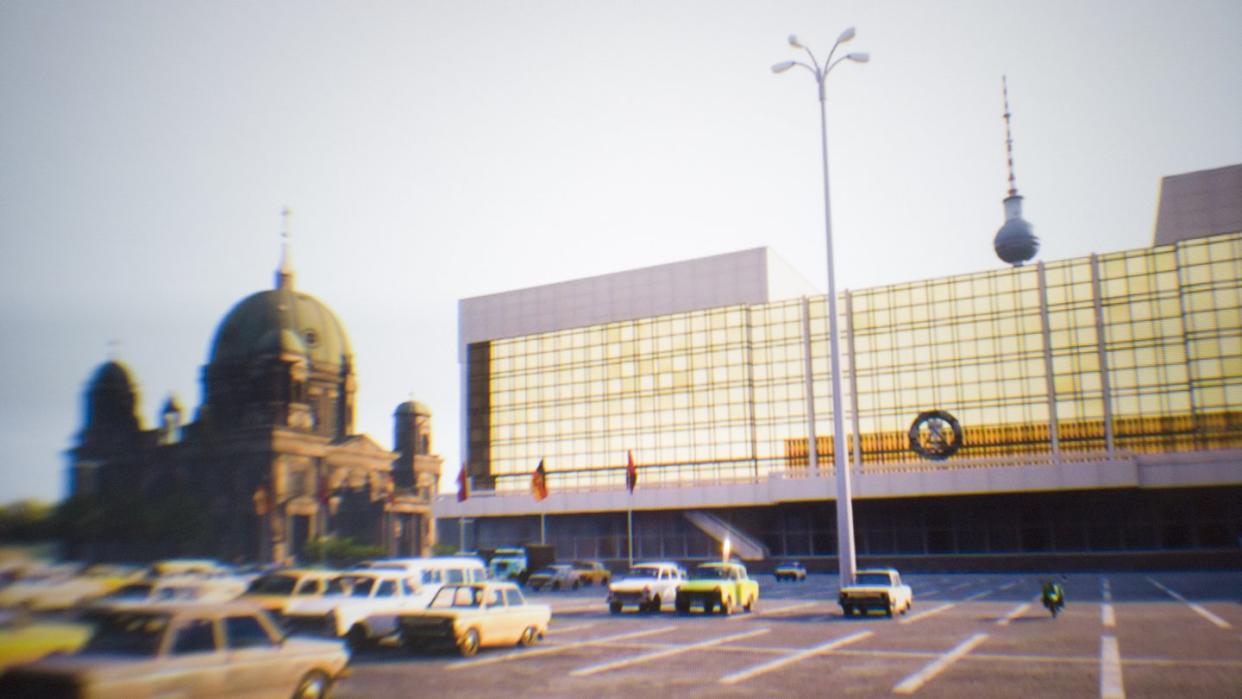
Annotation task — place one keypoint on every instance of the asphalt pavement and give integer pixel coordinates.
(1121, 634)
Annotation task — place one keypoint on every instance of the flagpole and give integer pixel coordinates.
(629, 525)
(542, 530)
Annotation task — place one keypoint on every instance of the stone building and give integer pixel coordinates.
(271, 458)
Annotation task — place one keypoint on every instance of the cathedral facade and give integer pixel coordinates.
(270, 460)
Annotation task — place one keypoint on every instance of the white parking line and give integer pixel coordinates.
(567, 629)
(943, 607)
(548, 650)
(1014, 614)
(1198, 610)
(911, 684)
(1007, 586)
(773, 612)
(1107, 617)
(958, 587)
(744, 675)
(635, 660)
(1110, 669)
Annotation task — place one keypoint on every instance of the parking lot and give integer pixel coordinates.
(1124, 634)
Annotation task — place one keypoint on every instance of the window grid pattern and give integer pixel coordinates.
(721, 392)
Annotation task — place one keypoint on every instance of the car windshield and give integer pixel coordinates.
(791, 564)
(456, 597)
(643, 572)
(872, 579)
(273, 585)
(712, 573)
(134, 634)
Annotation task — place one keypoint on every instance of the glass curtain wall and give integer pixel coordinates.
(1143, 347)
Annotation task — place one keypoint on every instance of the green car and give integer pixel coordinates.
(722, 586)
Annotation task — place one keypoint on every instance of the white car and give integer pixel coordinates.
(360, 606)
(877, 589)
(646, 586)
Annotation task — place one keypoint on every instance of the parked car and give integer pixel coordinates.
(189, 650)
(468, 617)
(793, 571)
(360, 606)
(54, 595)
(722, 585)
(554, 577)
(592, 573)
(275, 591)
(878, 589)
(646, 586)
(177, 589)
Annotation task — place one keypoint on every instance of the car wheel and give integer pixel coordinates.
(654, 607)
(682, 606)
(529, 635)
(615, 607)
(357, 639)
(556, 585)
(468, 644)
(888, 608)
(750, 605)
(576, 585)
(848, 610)
(726, 606)
(314, 685)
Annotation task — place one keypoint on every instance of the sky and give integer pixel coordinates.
(434, 151)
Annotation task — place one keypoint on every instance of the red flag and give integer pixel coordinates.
(463, 484)
(539, 482)
(631, 473)
(325, 493)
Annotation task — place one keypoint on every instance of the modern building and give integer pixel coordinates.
(271, 459)
(1087, 405)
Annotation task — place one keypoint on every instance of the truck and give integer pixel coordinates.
(878, 589)
(518, 562)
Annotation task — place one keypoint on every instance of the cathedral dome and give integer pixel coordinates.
(112, 377)
(413, 407)
(281, 320)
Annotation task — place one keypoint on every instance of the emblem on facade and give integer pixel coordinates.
(936, 435)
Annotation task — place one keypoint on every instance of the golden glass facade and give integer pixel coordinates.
(1134, 351)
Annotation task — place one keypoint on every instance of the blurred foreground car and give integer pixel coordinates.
(646, 586)
(792, 571)
(554, 577)
(877, 589)
(185, 651)
(24, 639)
(468, 617)
(725, 586)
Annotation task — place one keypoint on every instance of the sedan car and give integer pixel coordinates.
(189, 650)
(725, 586)
(792, 571)
(470, 616)
(592, 573)
(555, 577)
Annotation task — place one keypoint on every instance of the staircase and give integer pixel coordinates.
(743, 545)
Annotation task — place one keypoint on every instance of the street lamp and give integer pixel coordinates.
(845, 508)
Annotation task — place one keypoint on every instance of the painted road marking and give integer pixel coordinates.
(635, 660)
(1007, 586)
(943, 607)
(1107, 616)
(1014, 613)
(1199, 610)
(744, 675)
(958, 587)
(772, 612)
(911, 684)
(548, 650)
(567, 629)
(1110, 669)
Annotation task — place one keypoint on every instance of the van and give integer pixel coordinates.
(431, 573)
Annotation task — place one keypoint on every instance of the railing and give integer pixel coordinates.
(752, 471)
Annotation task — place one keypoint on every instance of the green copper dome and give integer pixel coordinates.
(281, 320)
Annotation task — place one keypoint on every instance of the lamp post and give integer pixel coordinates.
(845, 509)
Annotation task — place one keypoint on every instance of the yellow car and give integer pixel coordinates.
(25, 641)
(725, 586)
(472, 616)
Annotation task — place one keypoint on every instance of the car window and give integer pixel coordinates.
(308, 587)
(195, 636)
(514, 598)
(408, 586)
(362, 587)
(491, 598)
(136, 634)
(273, 585)
(246, 632)
(431, 576)
(386, 588)
(454, 575)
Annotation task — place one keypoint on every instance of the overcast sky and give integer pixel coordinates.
(433, 151)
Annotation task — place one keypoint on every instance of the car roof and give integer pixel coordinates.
(875, 570)
(652, 564)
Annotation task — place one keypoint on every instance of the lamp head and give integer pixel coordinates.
(859, 57)
(782, 66)
(846, 35)
(793, 41)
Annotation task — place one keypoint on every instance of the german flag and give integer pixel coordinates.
(631, 473)
(463, 484)
(539, 482)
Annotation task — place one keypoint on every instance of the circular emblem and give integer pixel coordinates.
(935, 435)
